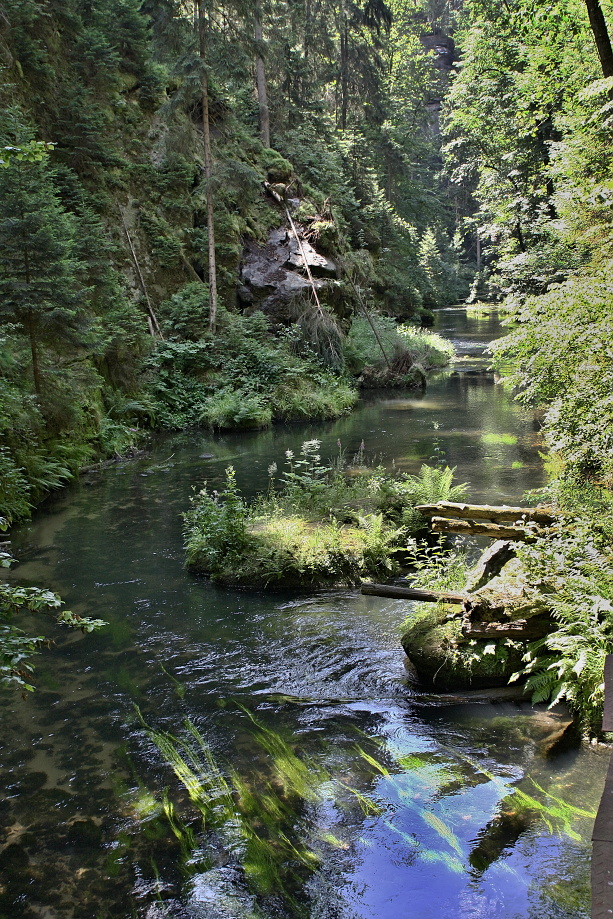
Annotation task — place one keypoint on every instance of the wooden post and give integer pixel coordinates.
(602, 835)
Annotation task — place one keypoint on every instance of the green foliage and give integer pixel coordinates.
(398, 353)
(14, 489)
(34, 151)
(237, 408)
(116, 88)
(556, 355)
(17, 648)
(432, 485)
(216, 527)
(38, 273)
(574, 573)
(504, 118)
(194, 382)
(318, 526)
(441, 566)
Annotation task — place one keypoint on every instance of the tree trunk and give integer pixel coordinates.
(601, 36)
(34, 351)
(344, 69)
(208, 168)
(542, 514)
(413, 593)
(307, 29)
(472, 528)
(261, 81)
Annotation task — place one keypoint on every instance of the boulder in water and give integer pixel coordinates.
(451, 652)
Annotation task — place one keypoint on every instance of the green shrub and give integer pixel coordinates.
(194, 382)
(573, 571)
(557, 355)
(395, 347)
(432, 485)
(428, 349)
(236, 408)
(216, 528)
(315, 526)
(14, 489)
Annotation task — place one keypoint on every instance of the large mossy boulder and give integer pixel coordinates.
(509, 596)
(445, 643)
(446, 661)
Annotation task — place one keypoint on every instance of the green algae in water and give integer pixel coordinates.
(179, 687)
(491, 438)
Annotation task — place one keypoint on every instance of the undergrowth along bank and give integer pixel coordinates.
(248, 376)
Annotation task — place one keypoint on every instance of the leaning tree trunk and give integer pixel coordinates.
(344, 70)
(261, 80)
(208, 168)
(34, 352)
(601, 36)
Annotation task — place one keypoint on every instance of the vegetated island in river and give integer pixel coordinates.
(317, 525)
(532, 610)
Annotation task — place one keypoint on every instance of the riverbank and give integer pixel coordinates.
(245, 377)
(323, 669)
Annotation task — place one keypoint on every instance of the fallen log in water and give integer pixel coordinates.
(413, 593)
(543, 515)
(472, 528)
(518, 629)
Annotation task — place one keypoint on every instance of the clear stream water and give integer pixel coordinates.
(439, 833)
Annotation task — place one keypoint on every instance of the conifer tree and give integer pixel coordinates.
(40, 295)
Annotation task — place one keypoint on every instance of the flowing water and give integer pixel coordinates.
(416, 807)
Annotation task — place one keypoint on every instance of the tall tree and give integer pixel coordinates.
(601, 36)
(261, 78)
(39, 289)
(359, 66)
(203, 27)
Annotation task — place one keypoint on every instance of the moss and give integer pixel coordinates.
(293, 551)
(446, 661)
(278, 169)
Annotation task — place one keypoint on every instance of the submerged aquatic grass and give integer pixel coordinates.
(265, 821)
(253, 819)
(558, 816)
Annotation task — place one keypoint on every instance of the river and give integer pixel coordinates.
(413, 808)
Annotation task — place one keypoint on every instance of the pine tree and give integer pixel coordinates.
(40, 295)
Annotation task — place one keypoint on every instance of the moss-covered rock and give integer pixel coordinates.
(445, 656)
(509, 596)
(447, 661)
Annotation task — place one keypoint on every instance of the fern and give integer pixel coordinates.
(574, 575)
